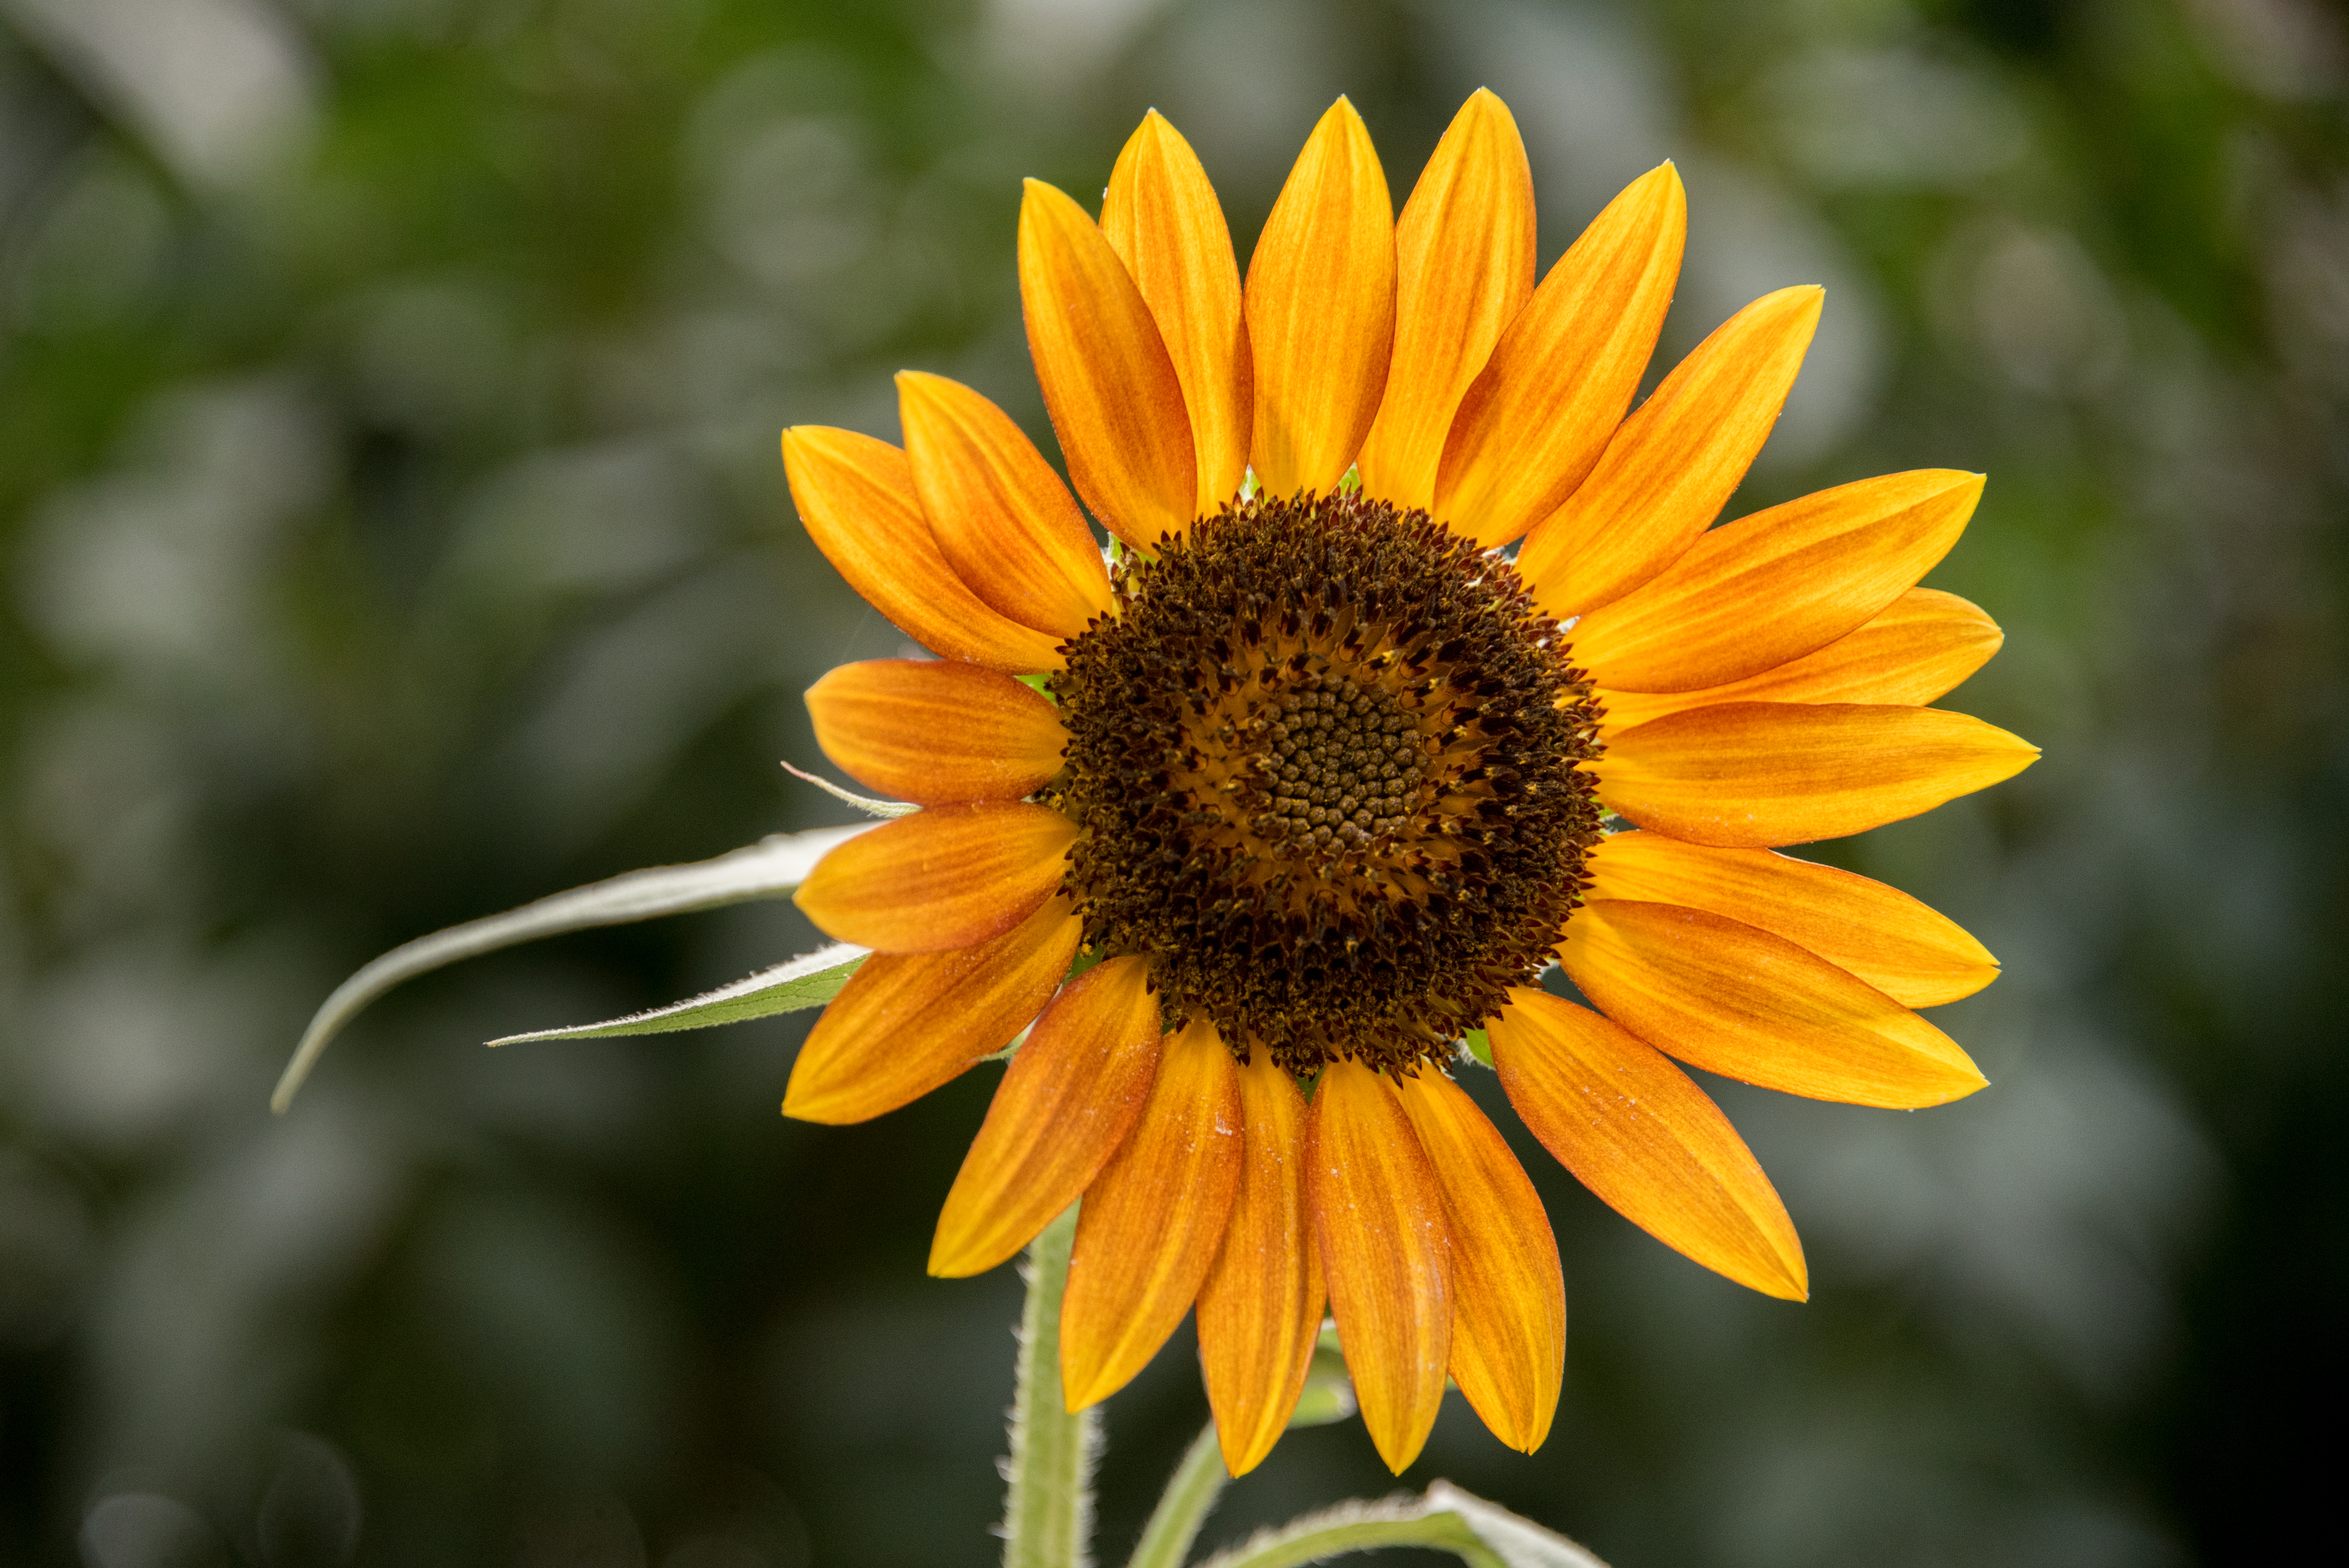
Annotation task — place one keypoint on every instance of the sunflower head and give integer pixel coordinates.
(1314, 769)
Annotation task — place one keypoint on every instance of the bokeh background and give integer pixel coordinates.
(392, 532)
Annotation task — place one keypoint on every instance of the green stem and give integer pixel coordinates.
(1190, 1493)
(1048, 1510)
(1360, 1527)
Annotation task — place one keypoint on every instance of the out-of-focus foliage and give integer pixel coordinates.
(393, 533)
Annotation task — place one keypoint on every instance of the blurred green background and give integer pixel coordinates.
(393, 533)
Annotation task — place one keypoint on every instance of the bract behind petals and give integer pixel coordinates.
(936, 731)
(1154, 1220)
(1758, 774)
(1387, 1252)
(1672, 466)
(1260, 1307)
(1508, 1316)
(1534, 421)
(1108, 381)
(1321, 306)
(1904, 949)
(1740, 1002)
(1918, 648)
(1068, 1099)
(1463, 268)
(946, 877)
(1824, 566)
(857, 498)
(1001, 516)
(907, 1022)
(1651, 1144)
(1162, 218)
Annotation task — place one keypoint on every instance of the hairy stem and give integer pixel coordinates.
(1047, 1508)
(1191, 1492)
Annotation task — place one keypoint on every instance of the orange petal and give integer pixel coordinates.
(1154, 1220)
(1464, 267)
(1260, 1308)
(1108, 382)
(1918, 647)
(1162, 220)
(1068, 1100)
(1387, 1251)
(1534, 421)
(1320, 310)
(1915, 956)
(907, 1022)
(936, 731)
(1002, 518)
(1673, 465)
(856, 497)
(1754, 593)
(1508, 1315)
(1761, 774)
(1746, 1004)
(946, 877)
(1654, 1147)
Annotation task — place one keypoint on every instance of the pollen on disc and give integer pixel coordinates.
(1324, 759)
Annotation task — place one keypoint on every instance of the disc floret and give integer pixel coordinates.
(1325, 760)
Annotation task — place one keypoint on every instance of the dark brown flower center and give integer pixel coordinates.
(1324, 757)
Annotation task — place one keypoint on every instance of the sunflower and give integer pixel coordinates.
(1252, 824)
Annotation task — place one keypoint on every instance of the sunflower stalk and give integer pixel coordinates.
(1048, 1502)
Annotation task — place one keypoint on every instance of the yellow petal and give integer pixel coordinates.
(1108, 381)
(1260, 1308)
(1154, 1220)
(1675, 462)
(1508, 1315)
(1915, 956)
(1000, 515)
(1648, 1141)
(1162, 218)
(936, 731)
(1534, 421)
(1463, 268)
(1751, 595)
(856, 497)
(946, 877)
(907, 1022)
(1387, 1253)
(1321, 306)
(1068, 1099)
(1920, 647)
(1752, 1006)
(1760, 774)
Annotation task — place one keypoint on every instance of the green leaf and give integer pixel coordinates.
(864, 803)
(1479, 1046)
(1359, 1527)
(1518, 1541)
(808, 981)
(768, 868)
(1446, 1519)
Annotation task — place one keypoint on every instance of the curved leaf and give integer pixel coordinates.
(808, 981)
(768, 868)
